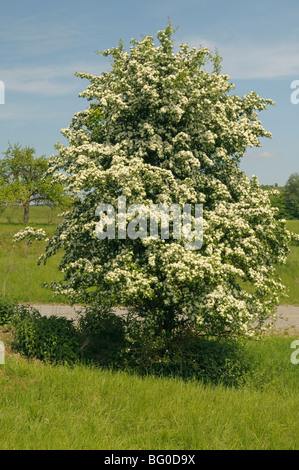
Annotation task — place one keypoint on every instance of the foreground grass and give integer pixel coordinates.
(47, 407)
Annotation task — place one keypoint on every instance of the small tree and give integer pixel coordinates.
(162, 128)
(22, 179)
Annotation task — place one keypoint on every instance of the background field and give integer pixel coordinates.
(21, 278)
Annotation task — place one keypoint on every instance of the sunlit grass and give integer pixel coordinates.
(20, 276)
(47, 407)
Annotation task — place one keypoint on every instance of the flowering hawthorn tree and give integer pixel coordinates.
(162, 128)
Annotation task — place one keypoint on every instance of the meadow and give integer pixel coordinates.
(80, 407)
(20, 276)
(47, 407)
(289, 272)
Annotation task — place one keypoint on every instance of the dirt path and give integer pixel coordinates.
(288, 315)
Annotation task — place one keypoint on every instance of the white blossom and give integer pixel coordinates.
(161, 129)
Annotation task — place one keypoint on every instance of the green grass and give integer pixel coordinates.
(289, 272)
(20, 276)
(80, 407)
(47, 407)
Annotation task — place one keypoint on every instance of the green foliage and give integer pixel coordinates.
(279, 201)
(127, 343)
(23, 180)
(53, 339)
(286, 199)
(7, 309)
(291, 192)
(101, 334)
(187, 355)
(160, 128)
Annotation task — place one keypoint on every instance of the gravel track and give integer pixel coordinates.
(288, 315)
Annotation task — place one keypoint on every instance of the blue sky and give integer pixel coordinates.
(44, 43)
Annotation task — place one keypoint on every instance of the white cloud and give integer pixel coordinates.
(47, 80)
(253, 60)
(265, 155)
(260, 154)
(41, 34)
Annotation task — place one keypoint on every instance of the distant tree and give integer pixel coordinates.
(23, 180)
(277, 198)
(291, 193)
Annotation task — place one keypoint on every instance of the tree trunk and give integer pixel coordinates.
(26, 212)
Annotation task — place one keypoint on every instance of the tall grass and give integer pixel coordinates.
(44, 407)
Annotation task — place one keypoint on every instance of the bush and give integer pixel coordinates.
(7, 310)
(53, 339)
(188, 355)
(110, 340)
(102, 335)
(130, 344)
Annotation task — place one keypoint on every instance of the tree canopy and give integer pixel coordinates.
(22, 179)
(163, 127)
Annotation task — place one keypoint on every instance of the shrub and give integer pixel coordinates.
(188, 355)
(101, 335)
(7, 310)
(130, 344)
(53, 339)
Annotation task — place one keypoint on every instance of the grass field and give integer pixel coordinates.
(289, 272)
(81, 407)
(21, 278)
(47, 407)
